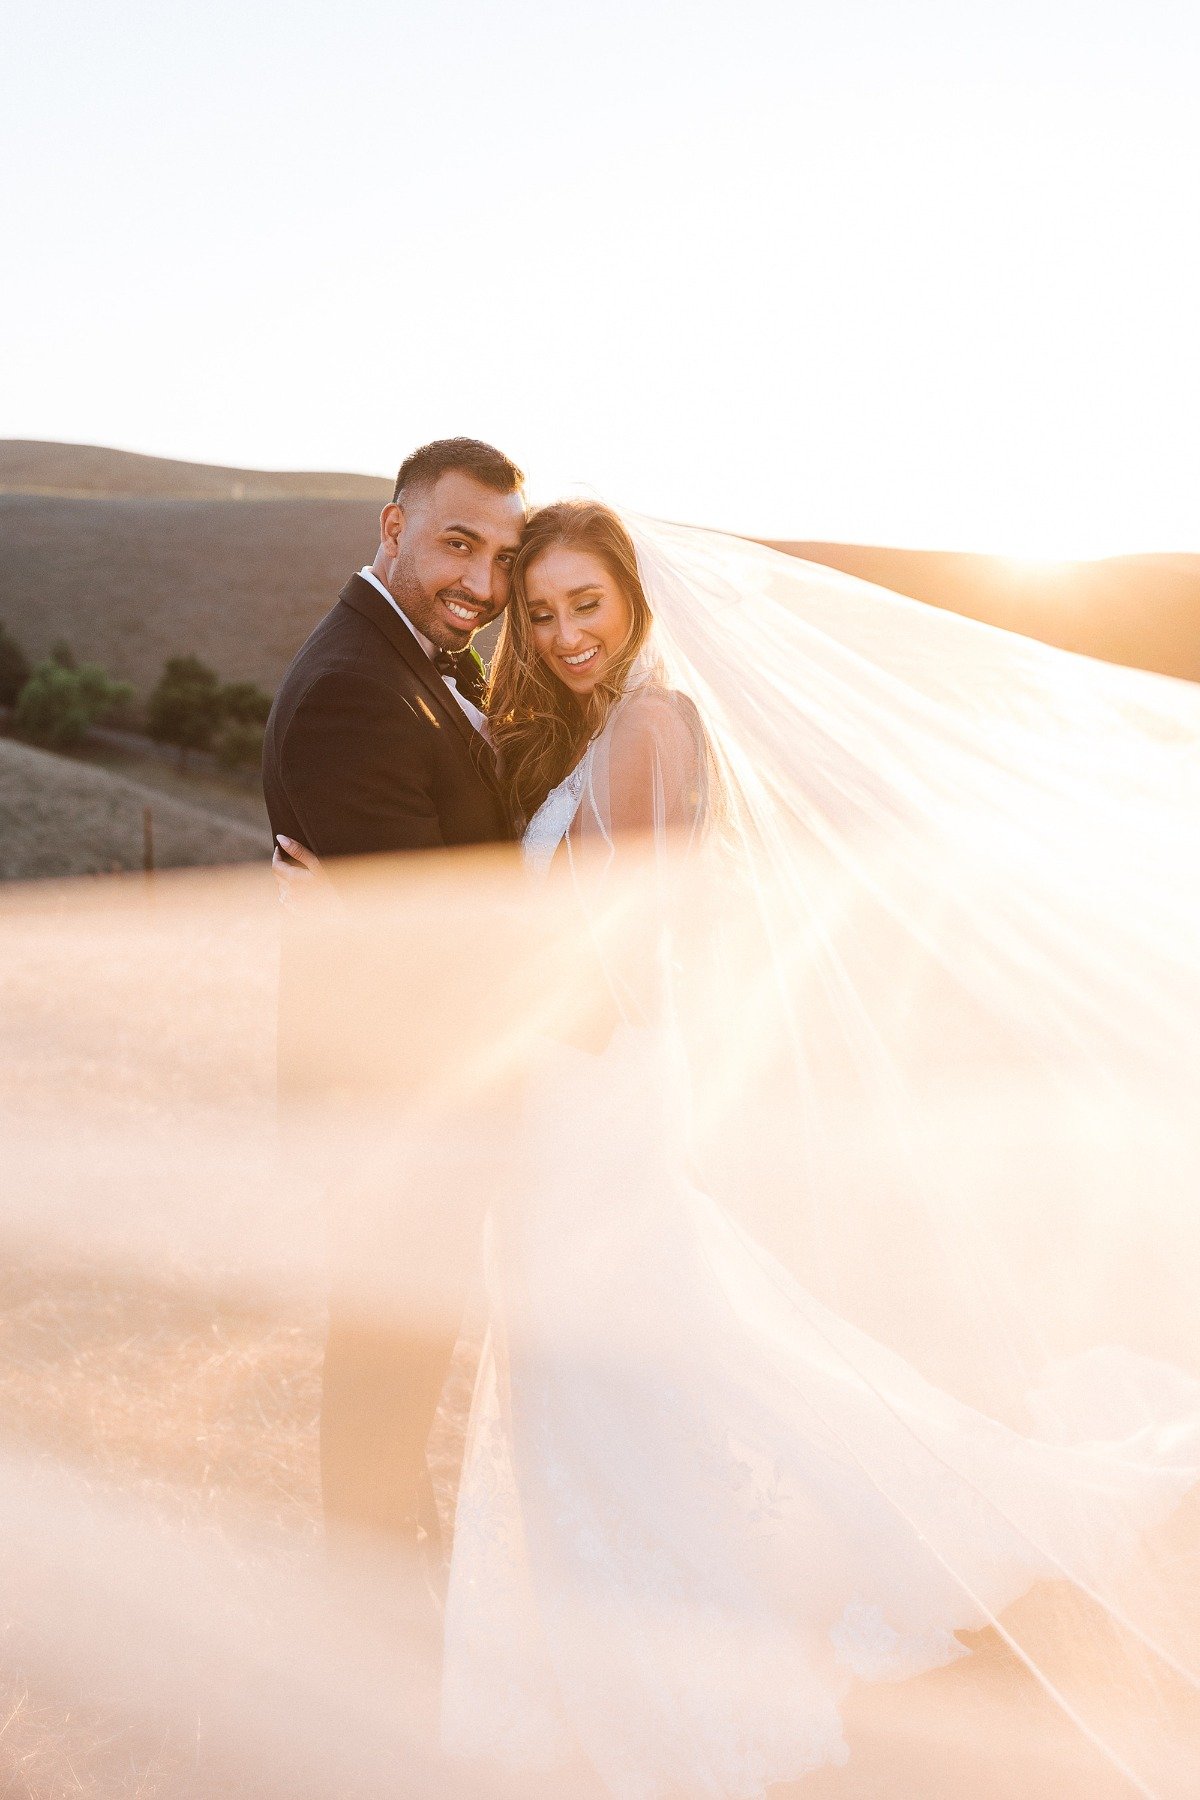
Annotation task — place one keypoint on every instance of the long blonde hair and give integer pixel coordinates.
(539, 730)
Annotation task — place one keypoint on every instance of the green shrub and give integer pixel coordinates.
(15, 669)
(242, 703)
(58, 706)
(185, 707)
(244, 708)
(240, 745)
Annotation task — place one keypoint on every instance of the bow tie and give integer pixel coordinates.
(466, 672)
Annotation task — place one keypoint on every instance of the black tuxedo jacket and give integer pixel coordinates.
(367, 750)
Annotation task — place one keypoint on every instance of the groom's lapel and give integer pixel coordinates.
(370, 602)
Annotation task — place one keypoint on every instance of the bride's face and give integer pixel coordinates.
(578, 615)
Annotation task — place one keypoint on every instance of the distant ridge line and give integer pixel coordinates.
(93, 472)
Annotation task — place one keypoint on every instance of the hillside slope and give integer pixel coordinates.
(130, 581)
(61, 818)
(32, 467)
(1140, 610)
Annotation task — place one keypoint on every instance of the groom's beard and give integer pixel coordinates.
(425, 609)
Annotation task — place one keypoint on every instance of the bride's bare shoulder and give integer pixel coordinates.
(661, 714)
(658, 743)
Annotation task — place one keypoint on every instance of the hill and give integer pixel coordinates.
(62, 818)
(28, 466)
(1143, 611)
(134, 559)
(129, 581)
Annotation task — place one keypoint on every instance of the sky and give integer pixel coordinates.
(918, 272)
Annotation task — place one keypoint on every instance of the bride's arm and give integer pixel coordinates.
(647, 777)
(300, 876)
(646, 792)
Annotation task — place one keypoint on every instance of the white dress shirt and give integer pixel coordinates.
(477, 718)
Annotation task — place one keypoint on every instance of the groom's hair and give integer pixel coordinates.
(480, 461)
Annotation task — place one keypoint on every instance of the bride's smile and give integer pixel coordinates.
(579, 616)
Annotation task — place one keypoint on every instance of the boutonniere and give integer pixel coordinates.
(468, 671)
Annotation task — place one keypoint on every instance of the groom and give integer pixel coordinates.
(376, 742)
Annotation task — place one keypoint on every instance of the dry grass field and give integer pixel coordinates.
(63, 817)
(200, 1407)
(133, 559)
(130, 581)
(203, 1410)
(236, 797)
(206, 1410)
(161, 1322)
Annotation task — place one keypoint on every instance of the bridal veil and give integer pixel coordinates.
(915, 928)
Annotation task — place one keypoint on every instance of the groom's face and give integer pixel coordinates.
(447, 553)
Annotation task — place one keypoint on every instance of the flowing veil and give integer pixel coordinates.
(965, 866)
(930, 984)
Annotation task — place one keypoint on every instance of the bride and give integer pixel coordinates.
(791, 1375)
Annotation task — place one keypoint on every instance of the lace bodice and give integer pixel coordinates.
(552, 820)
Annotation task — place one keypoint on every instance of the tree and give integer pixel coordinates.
(62, 654)
(240, 746)
(244, 704)
(244, 709)
(14, 668)
(59, 706)
(185, 707)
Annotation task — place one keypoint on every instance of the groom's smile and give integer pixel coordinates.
(455, 606)
(465, 612)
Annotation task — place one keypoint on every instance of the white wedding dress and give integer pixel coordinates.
(676, 1564)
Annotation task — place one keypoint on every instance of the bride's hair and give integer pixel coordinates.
(538, 729)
